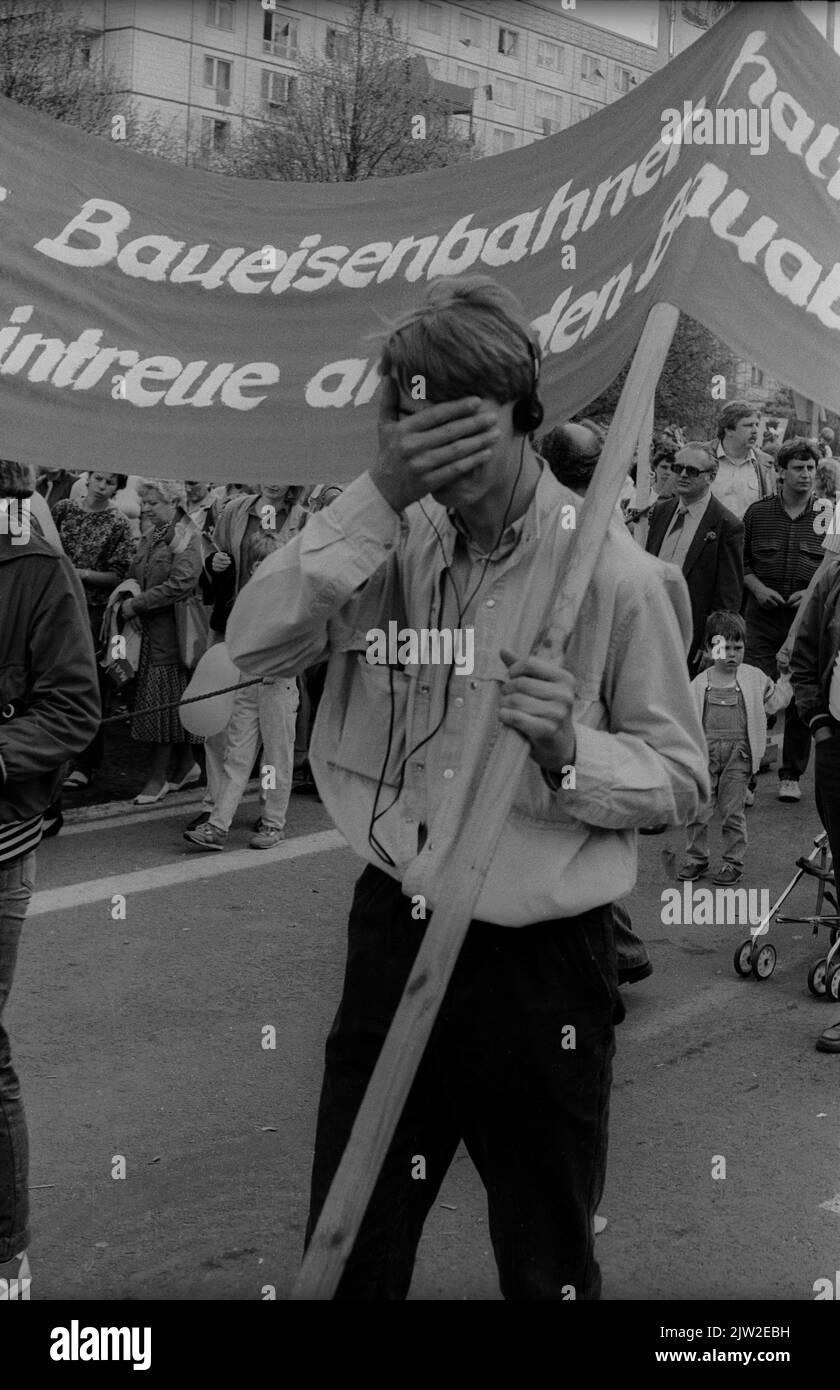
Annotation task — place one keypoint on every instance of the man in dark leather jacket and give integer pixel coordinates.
(49, 712)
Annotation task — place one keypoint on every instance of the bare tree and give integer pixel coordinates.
(368, 108)
(49, 60)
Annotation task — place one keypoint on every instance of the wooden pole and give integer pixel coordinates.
(642, 496)
(558, 593)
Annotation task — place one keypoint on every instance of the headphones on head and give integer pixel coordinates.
(528, 413)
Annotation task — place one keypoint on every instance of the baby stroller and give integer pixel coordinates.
(757, 956)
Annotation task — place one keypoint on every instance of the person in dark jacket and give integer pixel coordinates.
(55, 485)
(695, 531)
(815, 673)
(49, 712)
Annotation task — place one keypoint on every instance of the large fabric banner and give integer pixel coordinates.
(166, 321)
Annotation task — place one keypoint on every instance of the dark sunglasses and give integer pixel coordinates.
(688, 469)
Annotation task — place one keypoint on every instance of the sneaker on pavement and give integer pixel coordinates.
(749, 799)
(693, 869)
(790, 791)
(267, 837)
(201, 819)
(76, 780)
(829, 1041)
(207, 836)
(728, 874)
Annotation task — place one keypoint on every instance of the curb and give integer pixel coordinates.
(109, 810)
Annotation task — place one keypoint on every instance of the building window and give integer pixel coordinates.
(584, 109)
(467, 77)
(280, 36)
(502, 140)
(551, 56)
(214, 135)
(221, 14)
(623, 80)
(509, 42)
(549, 111)
(430, 18)
(469, 31)
(337, 45)
(278, 90)
(505, 93)
(217, 74)
(756, 376)
(590, 69)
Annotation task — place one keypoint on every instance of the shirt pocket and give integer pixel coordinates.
(373, 739)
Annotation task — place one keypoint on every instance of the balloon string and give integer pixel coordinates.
(176, 704)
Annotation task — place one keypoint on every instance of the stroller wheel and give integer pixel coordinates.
(832, 982)
(764, 963)
(743, 958)
(816, 977)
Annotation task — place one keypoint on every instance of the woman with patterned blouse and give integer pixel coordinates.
(97, 539)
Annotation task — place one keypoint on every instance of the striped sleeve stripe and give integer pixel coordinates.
(19, 838)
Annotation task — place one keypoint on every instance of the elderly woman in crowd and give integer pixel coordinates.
(97, 538)
(167, 568)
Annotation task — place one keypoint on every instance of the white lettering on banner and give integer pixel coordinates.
(103, 222)
(99, 235)
(83, 363)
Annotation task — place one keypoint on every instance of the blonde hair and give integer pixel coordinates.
(166, 488)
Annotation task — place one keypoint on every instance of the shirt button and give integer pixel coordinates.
(449, 774)
(459, 702)
(491, 603)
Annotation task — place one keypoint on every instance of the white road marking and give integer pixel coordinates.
(186, 870)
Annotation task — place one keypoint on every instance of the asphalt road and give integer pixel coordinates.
(143, 1038)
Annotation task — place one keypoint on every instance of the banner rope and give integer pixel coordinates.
(176, 704)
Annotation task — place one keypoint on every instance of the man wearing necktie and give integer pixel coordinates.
(696, 532)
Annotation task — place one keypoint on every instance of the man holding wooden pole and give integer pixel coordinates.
(459, 529)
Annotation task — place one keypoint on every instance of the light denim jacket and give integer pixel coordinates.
(641, 757)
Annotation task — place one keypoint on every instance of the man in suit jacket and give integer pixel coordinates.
(695, 531)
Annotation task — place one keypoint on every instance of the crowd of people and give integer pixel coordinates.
(710, 611)
(152, 554)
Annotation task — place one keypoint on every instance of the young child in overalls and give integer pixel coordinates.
(733, 701)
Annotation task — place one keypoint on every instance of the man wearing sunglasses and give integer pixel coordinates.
(695, 531)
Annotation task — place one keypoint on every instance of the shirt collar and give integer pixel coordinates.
(695, 508)
(722, 454)
(526, 529)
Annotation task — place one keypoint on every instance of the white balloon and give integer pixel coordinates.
(214, 671)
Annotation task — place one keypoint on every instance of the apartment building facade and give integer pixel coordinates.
(516, 71)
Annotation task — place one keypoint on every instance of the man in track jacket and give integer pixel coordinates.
(49, 712)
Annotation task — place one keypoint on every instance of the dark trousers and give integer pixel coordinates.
(519, 1066)
(767, 629)
(17, 879)
(827, 792)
